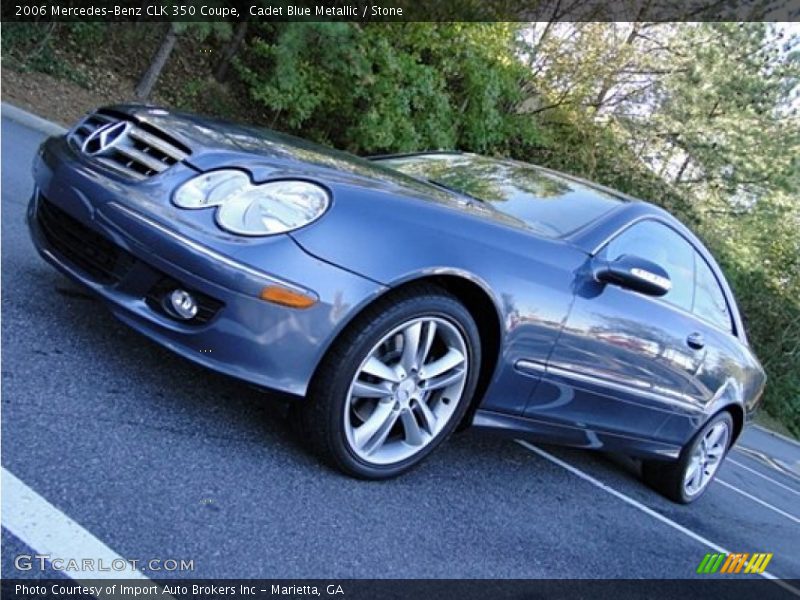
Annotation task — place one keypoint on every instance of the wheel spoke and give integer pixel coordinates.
(379, 369)
(426, 416)
(362, 389)
(715, 453)
(413, 433)
(380, 436)
(701, 479)
(691, 474)
(445, 380)
(411, 338)
(452, 359)
(372, 433)
(428, 335)
(714, 436)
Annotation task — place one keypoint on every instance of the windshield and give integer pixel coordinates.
(549, 203)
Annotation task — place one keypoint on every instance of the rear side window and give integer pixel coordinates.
(709, 300)
(662, 245)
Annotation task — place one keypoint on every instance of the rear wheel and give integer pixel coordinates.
(687, 479)
(394, 385)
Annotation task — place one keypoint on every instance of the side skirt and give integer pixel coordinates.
(568, 435)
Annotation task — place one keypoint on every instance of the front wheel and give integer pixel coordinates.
(687, 479)
(394, 385)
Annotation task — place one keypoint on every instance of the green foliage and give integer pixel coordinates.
(391, 87)
(88, 36)
(42, 47)
(190, 94)
(723, 110)
(202, 95)
(760, 251)
(19, 37)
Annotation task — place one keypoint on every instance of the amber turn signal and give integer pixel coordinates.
(286, 297)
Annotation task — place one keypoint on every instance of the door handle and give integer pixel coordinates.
(696, 341)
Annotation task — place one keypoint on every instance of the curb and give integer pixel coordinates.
(23, 117)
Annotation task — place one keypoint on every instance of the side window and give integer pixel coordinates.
(660, 244)
(709, 301)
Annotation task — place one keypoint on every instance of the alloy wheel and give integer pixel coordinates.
(706, 459)
(406, 390)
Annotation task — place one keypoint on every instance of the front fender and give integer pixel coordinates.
(393, 241)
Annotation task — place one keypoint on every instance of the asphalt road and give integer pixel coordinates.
(157, 458)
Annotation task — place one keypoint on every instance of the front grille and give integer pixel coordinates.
(137, 150)
(207, 307)
(92, 253)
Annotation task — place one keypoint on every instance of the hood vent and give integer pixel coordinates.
(136, 150)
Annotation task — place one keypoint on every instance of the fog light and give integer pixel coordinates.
(183, 304)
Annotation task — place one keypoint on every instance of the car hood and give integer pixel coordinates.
(268, 154)
(212, 139)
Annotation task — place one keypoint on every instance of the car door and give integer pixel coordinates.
(626, 362)
(729, 372)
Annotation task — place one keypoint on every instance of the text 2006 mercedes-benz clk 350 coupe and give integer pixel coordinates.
(400, 297)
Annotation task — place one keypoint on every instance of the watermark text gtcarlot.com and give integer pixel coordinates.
(43, 562)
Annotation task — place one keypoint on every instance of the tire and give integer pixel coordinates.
(345, 391)
(670, 479)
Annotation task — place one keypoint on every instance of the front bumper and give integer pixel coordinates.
(265, 344)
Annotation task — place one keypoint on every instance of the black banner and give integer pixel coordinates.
(364, 589)
(401, 10)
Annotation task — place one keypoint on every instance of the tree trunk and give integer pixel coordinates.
(221, 72)
(711, 115)
(148, 81)
(682, 170)
(544, 36)
(610, 80)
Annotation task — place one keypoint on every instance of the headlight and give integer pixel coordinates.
(211, 189)
(273, 207)
(247, 209)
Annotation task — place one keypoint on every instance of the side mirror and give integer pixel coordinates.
(634, 273)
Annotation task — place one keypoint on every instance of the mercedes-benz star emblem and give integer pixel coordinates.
(105, 138)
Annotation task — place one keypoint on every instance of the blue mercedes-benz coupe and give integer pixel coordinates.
(398, 298)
